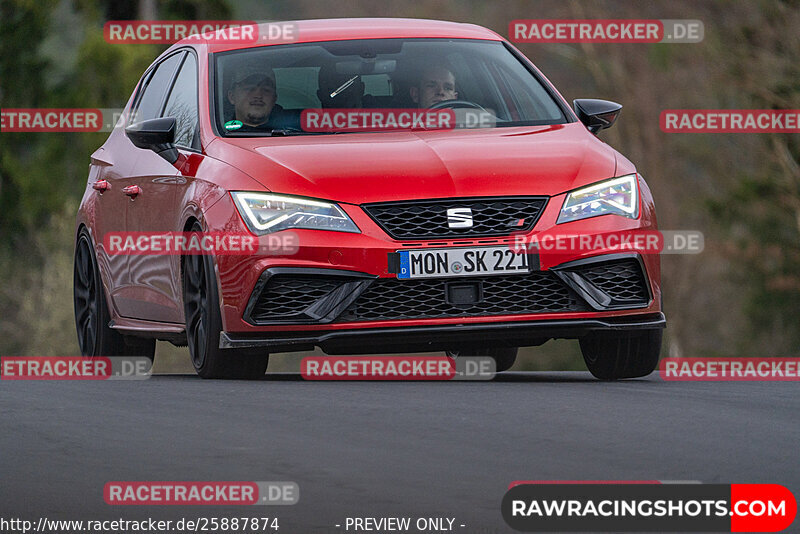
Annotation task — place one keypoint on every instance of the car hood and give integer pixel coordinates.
(374, 167)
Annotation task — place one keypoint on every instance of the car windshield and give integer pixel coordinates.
(374, 85)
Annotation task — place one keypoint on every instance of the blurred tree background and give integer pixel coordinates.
(740, 297)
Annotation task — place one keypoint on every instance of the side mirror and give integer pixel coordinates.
(157, 135)
(596, 114)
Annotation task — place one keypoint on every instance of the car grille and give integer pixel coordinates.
(428, 219)
(622, 280)
(389, 298)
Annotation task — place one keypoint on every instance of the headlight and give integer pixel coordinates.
(618, 195)
(265, 213)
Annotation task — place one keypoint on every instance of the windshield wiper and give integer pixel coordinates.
(344, 86)
(279, 132)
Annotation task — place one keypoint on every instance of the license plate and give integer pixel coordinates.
(460, 262)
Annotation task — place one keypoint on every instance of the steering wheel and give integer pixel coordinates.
(457, 104)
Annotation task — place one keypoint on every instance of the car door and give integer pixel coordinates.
(109, 166)
(156, 278)
(112, 167)
(149, 192)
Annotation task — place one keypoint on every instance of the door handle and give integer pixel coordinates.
(132, 191)
(100, 185)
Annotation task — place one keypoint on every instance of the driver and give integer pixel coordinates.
(436, 84)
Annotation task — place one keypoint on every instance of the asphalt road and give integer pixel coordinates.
(382, 449)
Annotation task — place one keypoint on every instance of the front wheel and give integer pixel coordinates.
(204, 323)
(611, 355)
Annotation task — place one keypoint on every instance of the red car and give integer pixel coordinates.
(403, 237)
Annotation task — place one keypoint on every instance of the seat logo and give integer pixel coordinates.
(459, 218)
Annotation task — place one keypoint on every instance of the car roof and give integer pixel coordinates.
(368, 28)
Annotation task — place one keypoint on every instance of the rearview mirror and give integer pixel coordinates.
(366, 66)
(157, 135)
(596, 114)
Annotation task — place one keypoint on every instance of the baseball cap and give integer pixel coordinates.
(252, 69)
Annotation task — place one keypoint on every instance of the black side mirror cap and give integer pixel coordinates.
(596, 114)
(157, 135)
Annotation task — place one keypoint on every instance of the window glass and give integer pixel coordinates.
(182, 103)
(152, 97)
(266, 89)
(298, 87)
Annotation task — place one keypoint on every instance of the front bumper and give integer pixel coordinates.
(437, 338)
(303, 296)
(361, 261)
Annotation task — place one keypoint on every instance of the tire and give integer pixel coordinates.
(504, 357)
(626, 354)
(95, 337)
(204, 323)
